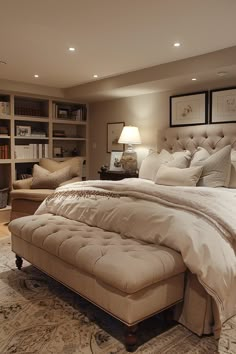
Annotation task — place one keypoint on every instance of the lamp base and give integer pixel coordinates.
(129, 161)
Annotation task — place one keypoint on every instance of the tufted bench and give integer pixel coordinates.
(128, 278)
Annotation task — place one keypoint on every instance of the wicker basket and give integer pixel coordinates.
(3, 197)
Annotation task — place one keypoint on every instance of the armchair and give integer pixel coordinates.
(25, 199)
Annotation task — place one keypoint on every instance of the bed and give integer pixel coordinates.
(135, 247)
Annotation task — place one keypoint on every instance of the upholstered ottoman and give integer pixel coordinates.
(128, 278)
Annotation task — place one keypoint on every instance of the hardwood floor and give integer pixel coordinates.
(4, 230)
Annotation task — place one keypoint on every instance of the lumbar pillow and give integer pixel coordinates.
(216, 168)
(173, 176)
(75, 163)
(43, 179)
(154, 160)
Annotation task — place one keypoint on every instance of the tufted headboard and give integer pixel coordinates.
(212, 137)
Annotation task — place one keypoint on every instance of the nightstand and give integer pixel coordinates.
(116, 175)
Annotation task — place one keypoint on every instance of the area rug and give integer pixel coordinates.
(40, 316)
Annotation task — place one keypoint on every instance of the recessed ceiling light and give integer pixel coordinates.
(95, 76)
(222, 73)
(176, 44)
(71, 49)
(2, 62)
(194, 79)
(36, 75)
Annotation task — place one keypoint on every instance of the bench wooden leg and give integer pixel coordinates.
(19, 262)
(131, 338)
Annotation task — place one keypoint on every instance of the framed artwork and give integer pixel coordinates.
(188, 109)
(223, 105)
(115, 163)
(113, 133)
(22, 130)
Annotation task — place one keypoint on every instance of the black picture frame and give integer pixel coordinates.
(189, 109)
(223, 105)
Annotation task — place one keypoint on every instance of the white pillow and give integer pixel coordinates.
(199, 155)
(232, 182)
(172, 176)
(216, 167)
(153, 161)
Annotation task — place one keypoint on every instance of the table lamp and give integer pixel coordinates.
(130, 136)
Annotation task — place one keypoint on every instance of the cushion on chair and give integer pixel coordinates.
(42, 178)
(75, 163)
(23, 183)
(37, 195)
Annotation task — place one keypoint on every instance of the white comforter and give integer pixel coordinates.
(199, 222)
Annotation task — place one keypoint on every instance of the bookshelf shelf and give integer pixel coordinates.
(5, 161)
(31, 119)
(60, 159)
(6, 116)
(31, 137)
(64, 124)
(69, 139)
(68, 121)
(25, 160)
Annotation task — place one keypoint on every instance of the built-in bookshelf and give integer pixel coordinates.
(36, 127)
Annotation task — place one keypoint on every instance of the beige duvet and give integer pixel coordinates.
(198, 222)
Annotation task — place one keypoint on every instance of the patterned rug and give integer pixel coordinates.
(40, 316)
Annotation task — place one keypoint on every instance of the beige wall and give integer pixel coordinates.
(149, 112)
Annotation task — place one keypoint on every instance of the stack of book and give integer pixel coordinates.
(4, 152)
(59, 133)
(31, 151)
(3, 130)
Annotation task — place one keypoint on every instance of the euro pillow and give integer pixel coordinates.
(154, 160)
(232, 182)
(200, 154)
(43, 179)
(216, 167)
(173, 176)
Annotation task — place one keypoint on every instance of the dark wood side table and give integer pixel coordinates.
(116, 175)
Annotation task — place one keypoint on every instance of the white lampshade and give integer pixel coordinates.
(130, 135)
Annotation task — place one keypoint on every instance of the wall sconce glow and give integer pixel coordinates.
(95, 76)
(71, 49)
(36, 76)
(176, 44)
(194, 79)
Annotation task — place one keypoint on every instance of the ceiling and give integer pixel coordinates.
(111, 37)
